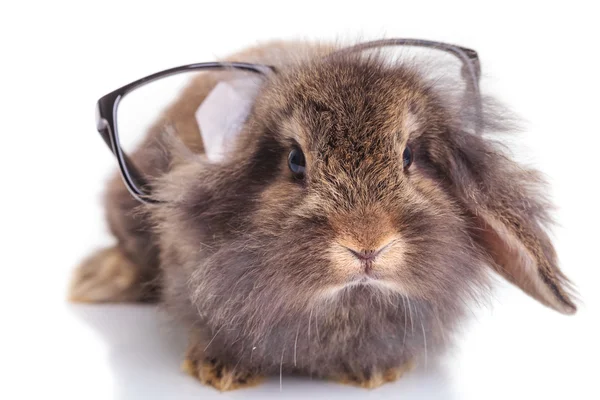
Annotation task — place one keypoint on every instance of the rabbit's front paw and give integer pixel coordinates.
(373, 378)
(210, 371)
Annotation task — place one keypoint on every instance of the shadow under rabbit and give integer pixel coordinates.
(145, 356)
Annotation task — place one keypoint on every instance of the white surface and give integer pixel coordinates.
(58, 58)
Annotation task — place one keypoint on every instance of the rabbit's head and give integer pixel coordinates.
(355, 179)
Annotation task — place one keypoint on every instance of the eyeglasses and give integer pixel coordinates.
(107, 107)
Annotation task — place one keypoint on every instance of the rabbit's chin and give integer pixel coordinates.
(363, 283)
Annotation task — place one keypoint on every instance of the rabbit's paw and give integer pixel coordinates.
(212, 372)
(105, 277)
(370, 379)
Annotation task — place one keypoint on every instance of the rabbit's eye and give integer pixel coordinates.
(297, 163)
(407, 157)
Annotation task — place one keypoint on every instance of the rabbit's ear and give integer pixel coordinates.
(522, 252)
(509, 214)
(223, 113)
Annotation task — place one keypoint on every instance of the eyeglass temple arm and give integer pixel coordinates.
(471, 68)
(466, 55)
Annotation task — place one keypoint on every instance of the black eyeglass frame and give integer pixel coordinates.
(106, 118)
(107, 105)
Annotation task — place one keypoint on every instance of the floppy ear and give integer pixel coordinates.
(509, 212)
(223, 113)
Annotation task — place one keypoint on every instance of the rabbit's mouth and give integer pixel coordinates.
(368, 282)
(369, 279)
(379, 266)
(366, 277)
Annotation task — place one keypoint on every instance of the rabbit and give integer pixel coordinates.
(343, 236)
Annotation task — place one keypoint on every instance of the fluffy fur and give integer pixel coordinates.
(255, 262)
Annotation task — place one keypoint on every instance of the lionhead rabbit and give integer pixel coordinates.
(344, 232)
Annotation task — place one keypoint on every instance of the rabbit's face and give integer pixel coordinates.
(353, 201)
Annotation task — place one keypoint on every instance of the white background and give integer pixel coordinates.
(58, 58)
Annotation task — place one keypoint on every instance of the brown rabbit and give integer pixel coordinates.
(342, 237)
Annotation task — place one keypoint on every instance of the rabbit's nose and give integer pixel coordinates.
(366, 257)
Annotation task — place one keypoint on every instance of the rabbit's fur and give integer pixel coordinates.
(255, 261)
